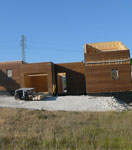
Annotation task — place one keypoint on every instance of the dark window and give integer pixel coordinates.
(9, 73)
(115, 74)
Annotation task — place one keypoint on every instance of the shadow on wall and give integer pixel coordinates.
(75, 81)
(123, 96)
(7, 84)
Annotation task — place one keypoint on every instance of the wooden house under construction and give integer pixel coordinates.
(106, 68)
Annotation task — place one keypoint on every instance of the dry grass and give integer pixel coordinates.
(27, 129)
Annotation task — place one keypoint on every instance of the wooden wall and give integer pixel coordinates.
(98, 70)
(40, 83)
(99, 78)
(34, 68)
(6, 83)
(93, 76)
(75, 76)
(102, 56)
(59, 84)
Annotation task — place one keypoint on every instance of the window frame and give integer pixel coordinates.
(8, 73)
(115, 74)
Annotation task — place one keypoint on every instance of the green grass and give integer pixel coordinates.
(27, 129)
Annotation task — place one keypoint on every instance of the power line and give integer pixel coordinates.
(62, 49)
(8, 41)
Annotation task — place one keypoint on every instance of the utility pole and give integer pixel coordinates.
(23, 45)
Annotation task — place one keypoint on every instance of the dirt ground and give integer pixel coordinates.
(68, 103)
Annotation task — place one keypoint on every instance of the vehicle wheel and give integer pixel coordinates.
(16, 97)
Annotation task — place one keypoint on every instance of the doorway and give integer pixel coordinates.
(38, 81)
(62, 83)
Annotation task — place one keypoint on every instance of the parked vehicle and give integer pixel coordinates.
(24, 93)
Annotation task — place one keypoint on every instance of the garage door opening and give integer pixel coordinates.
(38, 81)
(61, 82)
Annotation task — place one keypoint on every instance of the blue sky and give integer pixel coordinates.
(56, 30)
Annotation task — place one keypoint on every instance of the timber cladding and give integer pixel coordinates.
(40, 74)
(99, 78)
(75, 76)
(107, 67)
(114, 55)
(10, 83)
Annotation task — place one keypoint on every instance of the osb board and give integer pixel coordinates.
(105, 46)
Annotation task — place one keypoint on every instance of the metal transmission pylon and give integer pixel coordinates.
(23, 45)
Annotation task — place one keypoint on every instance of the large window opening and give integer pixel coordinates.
(115, 74)
(61, 82)
(38, 81)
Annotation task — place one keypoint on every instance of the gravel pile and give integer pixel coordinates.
(67, 103)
